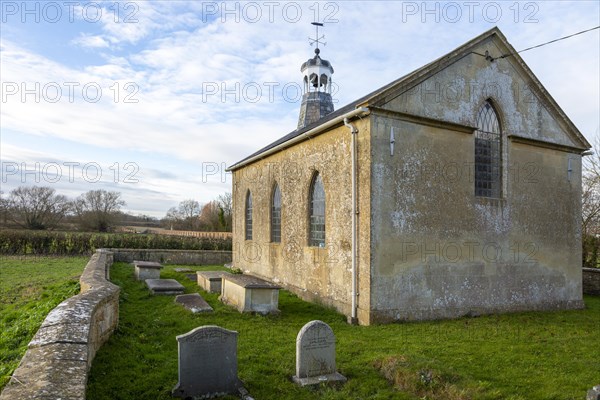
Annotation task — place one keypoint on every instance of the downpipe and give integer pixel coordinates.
(353, 131)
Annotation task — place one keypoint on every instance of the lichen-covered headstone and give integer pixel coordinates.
(594, 393)
(207, 363)
(315, 355)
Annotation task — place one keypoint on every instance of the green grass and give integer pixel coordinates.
(30, 287)
(528, 356)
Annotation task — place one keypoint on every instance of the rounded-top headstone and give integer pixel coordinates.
(315, 350)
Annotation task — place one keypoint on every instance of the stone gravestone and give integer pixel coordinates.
(594, 393)
(146, 270)
(164, 286)
(207, 363)
(193, 302)
(315, 355)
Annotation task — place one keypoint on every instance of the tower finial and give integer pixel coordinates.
(318, 38)
(316, 100)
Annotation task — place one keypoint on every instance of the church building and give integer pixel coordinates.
(454, 190)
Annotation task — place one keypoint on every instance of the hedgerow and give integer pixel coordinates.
(23, 242)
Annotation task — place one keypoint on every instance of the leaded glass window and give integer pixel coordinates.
(317, 212)
(276, 215)
(249, 216)
(488, 153)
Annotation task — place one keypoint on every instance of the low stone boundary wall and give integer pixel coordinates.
(179, 257)
(198, 234)
(60, 354)
(591, 281)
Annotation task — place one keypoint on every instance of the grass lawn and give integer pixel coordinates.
(30, 287)
(545, 355)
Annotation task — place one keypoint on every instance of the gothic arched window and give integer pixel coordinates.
(316, 236)
(249, 216)
(276, 215)
(488, 153)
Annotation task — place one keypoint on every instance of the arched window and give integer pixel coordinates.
(316, 236)
(488, 153)
(276, 215)
(249, 216)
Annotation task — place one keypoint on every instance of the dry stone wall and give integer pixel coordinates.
(60, 355)
(179, 257)
(591, 281)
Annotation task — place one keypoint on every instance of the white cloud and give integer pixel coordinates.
(174, 53)
(91, 41)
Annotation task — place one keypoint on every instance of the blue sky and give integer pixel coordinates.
(154, 98)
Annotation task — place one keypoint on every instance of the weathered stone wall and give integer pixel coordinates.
(180, 257)
(455, 94)
(321, 274)
(438, 251)
(591, 281)
(57, 362)
(428, 247)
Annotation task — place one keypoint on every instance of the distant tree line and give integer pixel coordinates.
(189, 215)
(42, 208)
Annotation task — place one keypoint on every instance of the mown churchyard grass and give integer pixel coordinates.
(30, 287)
(543, 355)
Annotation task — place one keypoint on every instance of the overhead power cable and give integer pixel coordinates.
(543, 44)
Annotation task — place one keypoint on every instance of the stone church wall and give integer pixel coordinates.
(440, 252)
(316, 274)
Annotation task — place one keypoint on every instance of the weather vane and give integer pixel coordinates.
(318, 38)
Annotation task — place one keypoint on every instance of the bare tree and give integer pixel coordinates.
(590, 204)
(172, 220)
(590, 201)
(184, 216)
(4, 208)
(209, 217)
(590, 207)
(226, 210)
(213, 216)
(36, 207)
(98, 209)
(189, 210)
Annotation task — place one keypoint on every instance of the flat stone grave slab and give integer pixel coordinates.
(207, 363)
(250, 294)
(183, 270)
(164, 286)
(191, 277)
(210, 281)
(147, 270)
(315, 355)
(193, 302)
